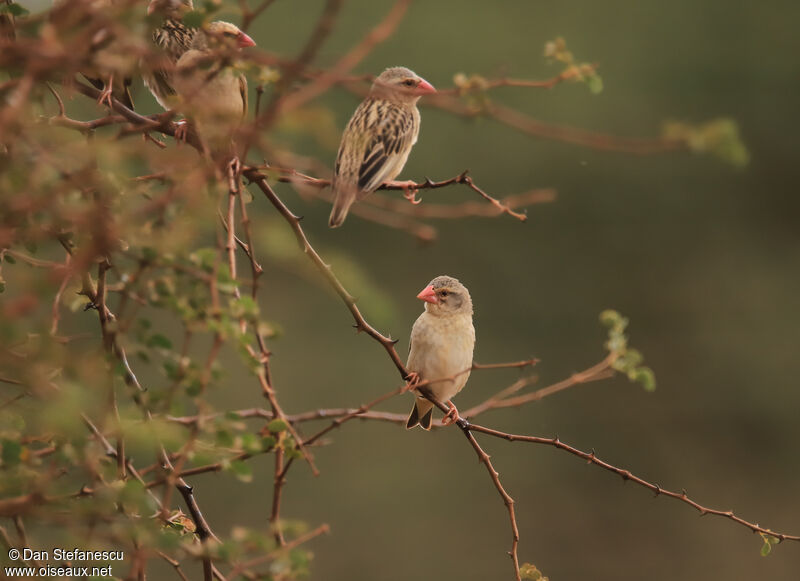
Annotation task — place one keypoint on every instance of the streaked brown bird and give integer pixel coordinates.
(378, 138)
(172, 39)
(442, 342)
(212, 95)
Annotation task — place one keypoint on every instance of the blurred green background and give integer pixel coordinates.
(701, 256)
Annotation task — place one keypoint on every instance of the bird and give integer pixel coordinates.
(172, 39)
(212, 95)
(109, 60)
(377, 139)
(440, 352)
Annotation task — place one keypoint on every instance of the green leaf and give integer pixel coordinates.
(531, 573)
(610, 318)
(194, 387)
(719, 137)
(159, 341)
(595, 84)
(251, 443)
(172, 370)
(14, 9)
(244, 306)
(241, 470)
(268, 442)
(12, 452)
(205, 258)
(290, 449)
(766, 548)
(277, 425)
(225, 438)
(646, 377)
(769, 540)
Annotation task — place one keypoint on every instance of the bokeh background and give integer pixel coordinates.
(701, 256)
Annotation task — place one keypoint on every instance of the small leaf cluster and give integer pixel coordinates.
(556, 51)
(529, 572)
(626, 359)
(769, 541)
(719, 137)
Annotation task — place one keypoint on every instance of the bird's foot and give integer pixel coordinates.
(105, 97)
(181, 131)
(411, 195)
(410, 190)
(451, 416)
(234, 166)
(412, 380)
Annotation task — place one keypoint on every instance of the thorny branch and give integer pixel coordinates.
(295, 177)
(284, 101)
(466, 427)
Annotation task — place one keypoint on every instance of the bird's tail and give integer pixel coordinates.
(343, 199)
(421, 413)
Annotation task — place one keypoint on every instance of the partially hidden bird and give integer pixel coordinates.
(171, 39)
(110, 59)
(440, 353)
(213, 95)
(377, 139)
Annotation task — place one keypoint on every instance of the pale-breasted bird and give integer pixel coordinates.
(442, 342)
(172, 38)
(211, 93)
(378, 138)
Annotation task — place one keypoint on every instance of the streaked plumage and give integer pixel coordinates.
(378, 138)
(172, 39)
(211, 93)
(442, 342)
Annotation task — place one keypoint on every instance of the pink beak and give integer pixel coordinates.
(424, 88)
(245, 41)
(428, 295)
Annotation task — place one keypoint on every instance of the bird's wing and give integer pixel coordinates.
(417, 340)
(243, 93)
(387, 150)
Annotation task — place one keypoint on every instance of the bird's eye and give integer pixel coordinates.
(443, 293)
(409, 82)
(230, 34)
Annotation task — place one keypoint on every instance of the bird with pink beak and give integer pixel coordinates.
(378, 139)
(212, 94)
(440, 353)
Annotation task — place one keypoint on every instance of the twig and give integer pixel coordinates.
(295, 177)
(625, 475)
(387, 344)
(294, 221)
(324, 81)
(263, 355)
(56, 310)
(272, 555)
(591, 139)
(248, 16)
(293, 69)
(203, 530)
(477, 83)
(176, 565)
